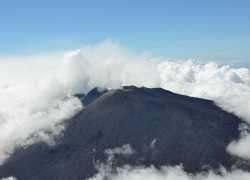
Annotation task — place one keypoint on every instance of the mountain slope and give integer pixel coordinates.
(162, 128)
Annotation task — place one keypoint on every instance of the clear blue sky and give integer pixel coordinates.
(204, 29)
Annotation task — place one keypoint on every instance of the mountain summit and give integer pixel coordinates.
(161, 127)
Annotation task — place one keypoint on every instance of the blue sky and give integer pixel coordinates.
(214, 29)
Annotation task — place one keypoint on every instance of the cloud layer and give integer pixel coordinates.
(110, 171)
(8, 178)
(36, 92)
(165, 173)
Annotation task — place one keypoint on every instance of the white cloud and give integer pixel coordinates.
(241, 146)
(124, 150)
(27, 68)
(34, 102)
(228, 87)
(165, 173)
(8, 178)
(110, 170)
(25, 116)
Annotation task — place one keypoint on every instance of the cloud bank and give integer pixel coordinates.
(165, 173)
(36, 91)
(33, 105)
(110, 171)
(8, 178)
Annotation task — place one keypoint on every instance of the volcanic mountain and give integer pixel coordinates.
(161, 127)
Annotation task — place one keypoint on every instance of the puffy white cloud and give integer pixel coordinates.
(110, 170)
(228, 87)
(27, 68)
(124, 150)
(165, 173)
(33, 105)
(25, 116)
(8, 178)
(241, 146)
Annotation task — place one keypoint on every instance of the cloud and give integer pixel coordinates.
(241, 146)
(27, 68)
(32, 109)
(124, 150)
(110, 170)
(8, 178)
(36, 91)
(228, 87)
(165, 173)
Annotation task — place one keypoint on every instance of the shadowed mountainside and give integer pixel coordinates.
(162, 128)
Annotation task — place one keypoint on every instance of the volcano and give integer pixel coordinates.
(161, 127)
